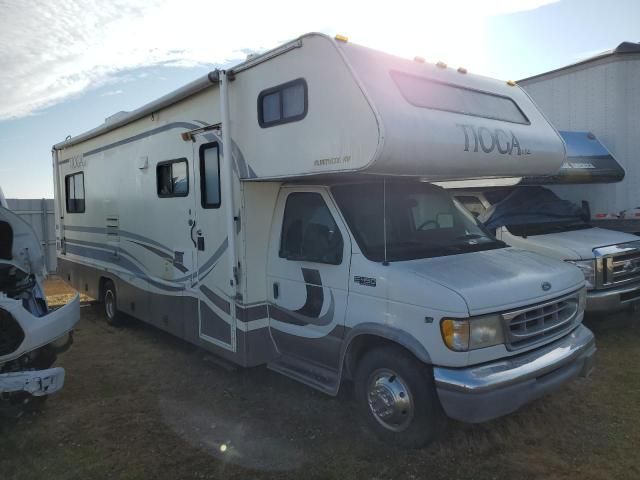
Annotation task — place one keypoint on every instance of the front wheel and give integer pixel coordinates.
(397, 398)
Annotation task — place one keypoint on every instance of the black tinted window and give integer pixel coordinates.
(309, 232)
(74, 192)
(283, 104)
(172, 178)
(427, 93)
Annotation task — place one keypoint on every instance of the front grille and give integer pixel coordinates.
(618, 264)
(11, 334)
(538, 323)
(623, 268)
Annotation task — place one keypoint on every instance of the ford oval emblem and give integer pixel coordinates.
(546, 286)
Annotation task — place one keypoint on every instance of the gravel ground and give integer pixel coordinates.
(139, 403)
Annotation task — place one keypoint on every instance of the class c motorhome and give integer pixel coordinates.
(532, 217)
(282, 212)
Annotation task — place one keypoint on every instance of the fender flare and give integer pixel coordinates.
(393, 334)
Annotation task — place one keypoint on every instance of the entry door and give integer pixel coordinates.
(308, 272)
(216, 310)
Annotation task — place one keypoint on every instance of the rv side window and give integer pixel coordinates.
(209, 175)
(309, 232)
(427, 93)
(172, 178)
(283, 104)
(74, 192)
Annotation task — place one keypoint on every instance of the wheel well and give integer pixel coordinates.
(360, 345)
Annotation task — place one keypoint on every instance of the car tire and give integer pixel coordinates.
(397, 398)
(110, 301)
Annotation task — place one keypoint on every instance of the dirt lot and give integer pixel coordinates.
(139, 403)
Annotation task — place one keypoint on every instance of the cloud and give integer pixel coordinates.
(55, 50)
(109, 93)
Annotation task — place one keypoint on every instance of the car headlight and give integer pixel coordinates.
(588, 268)
(462, 335)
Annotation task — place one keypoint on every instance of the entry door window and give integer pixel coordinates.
(210, 175)
(309, 232)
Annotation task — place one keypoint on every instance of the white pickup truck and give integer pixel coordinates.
(31, 334)
(534, 218)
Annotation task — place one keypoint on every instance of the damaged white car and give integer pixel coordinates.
(31, 335)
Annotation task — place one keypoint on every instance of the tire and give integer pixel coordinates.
(392, 376)
(110, 301)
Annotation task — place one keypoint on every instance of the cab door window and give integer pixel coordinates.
(309, 232)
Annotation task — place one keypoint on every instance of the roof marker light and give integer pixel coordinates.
(462, 70)
(511, 83)
(341, 38)
(419, 59)
(441, 65)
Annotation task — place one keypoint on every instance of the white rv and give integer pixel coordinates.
(532, 217)
(281, 213)
(31, 334)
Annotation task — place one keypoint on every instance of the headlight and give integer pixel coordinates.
(588, 268)
(472, 333)
(582, 300)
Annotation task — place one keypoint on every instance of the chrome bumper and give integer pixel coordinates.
(37, 382)
(490, 390)
(612, 299)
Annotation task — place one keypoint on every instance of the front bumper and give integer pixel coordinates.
(612, 299)
(491, 390)
(40, 331)
(37, 382)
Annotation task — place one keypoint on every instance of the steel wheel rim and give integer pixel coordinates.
(390, 400)
(109, 304)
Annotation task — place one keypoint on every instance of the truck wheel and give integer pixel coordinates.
(397, 398)
(110, 301)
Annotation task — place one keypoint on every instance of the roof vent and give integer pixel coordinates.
(115, 117)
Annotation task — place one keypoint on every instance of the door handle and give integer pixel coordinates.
(276, 290)
(201, 243)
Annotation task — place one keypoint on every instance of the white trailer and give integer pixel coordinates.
(600, 95)
(281, 213)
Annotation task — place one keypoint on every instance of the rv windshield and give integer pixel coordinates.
(422, 221)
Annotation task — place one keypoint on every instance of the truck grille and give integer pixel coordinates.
(618, 264)
(538, 323)
(11, 335)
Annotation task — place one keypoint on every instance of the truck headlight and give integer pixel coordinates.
(588, 268)
(462, 335)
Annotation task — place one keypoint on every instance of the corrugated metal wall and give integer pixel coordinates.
(39, 213)
(603, 97)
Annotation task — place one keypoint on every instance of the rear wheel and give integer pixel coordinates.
(397, 398)
(110, 302)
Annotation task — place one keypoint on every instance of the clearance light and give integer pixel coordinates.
(511, 83)
(341, 38)
(419, 59)
(462, 70)
(441, 65)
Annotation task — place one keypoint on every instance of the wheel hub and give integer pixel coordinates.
(390, 400)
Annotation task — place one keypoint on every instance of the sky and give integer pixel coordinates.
(67, 65)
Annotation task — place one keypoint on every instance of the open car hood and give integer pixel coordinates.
(19, 244)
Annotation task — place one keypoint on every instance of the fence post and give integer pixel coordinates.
(45, 233)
